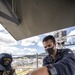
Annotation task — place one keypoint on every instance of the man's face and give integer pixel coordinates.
(48, 44)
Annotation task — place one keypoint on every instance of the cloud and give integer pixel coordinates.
(30, 50)
(5, 37)
(40, 44)
(72, 34)
(30, 41)
(15, 51)
(49, 33)
(1, 27)
(11, 50)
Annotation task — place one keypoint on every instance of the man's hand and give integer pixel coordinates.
(40, 71)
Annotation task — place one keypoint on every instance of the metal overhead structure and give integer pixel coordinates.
(27, 18)
(13, 17)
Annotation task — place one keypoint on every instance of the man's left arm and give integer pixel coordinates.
(66, 65)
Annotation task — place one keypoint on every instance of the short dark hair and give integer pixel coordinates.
(49, 37)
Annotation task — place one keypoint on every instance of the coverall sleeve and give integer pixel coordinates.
(65, 66)
(44, 62)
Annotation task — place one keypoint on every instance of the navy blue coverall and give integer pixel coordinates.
(63, 64)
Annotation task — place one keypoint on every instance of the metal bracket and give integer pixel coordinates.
(13, 18)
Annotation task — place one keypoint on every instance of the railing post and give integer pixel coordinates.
(36, 60)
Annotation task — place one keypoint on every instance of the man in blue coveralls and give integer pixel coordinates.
(61, 61)
(57, 62)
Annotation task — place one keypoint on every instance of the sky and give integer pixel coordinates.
(27, 46)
